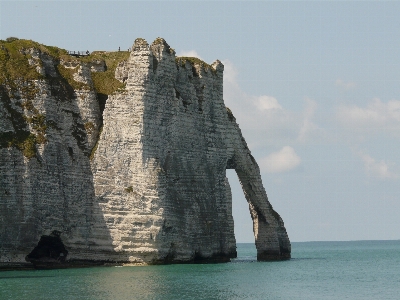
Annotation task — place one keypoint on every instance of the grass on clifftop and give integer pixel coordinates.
(16, 81)
(18, 87)
(14, 65)
(17, 78)
(181, 61)
(105, 82)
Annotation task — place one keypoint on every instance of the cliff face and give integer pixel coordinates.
(141, 179)
(46, 183)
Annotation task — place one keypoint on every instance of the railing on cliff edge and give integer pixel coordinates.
(79, 53)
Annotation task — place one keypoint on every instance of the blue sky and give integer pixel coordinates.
(315, 88)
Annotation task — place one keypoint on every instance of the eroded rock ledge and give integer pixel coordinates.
(121, 157)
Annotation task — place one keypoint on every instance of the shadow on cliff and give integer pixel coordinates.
(17, 232)
(64, 211)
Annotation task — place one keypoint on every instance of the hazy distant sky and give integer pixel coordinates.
(315, 88)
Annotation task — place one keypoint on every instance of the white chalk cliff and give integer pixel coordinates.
(139, 180)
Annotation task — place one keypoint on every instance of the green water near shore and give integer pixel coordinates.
(318, 270)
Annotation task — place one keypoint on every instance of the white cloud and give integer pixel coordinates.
(346, 85)
(376, 111)
(266, 103)
(284, 160)
(264, 115)
(189, 53)
(375, 168)
(376, 116)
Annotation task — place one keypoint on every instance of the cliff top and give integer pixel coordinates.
(16, 56)
(16, 63)
(22, 62)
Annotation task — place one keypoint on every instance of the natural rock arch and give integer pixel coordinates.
(175, 139)
(270, 235)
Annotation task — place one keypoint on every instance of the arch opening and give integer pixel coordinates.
(243, 223)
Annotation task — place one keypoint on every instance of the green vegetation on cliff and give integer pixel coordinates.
(181, 61)
(22, 138)
(25, 63)
(105, 82)
(21, 66)
(230, 114)
(15, 66)
(68, 75)
(18, 73)
(14, 60)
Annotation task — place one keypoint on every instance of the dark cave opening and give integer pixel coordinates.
(49, 249)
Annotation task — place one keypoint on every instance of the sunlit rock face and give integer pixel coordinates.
(141, 179)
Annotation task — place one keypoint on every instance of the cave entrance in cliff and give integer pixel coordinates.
(240, 210)
(49, 250)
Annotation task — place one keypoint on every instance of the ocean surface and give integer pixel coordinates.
(318, 270)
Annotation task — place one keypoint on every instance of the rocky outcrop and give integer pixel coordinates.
(133, 173)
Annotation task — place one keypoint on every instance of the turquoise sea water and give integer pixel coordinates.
(318, 270)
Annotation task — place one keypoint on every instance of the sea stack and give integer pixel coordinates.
(123, 155)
